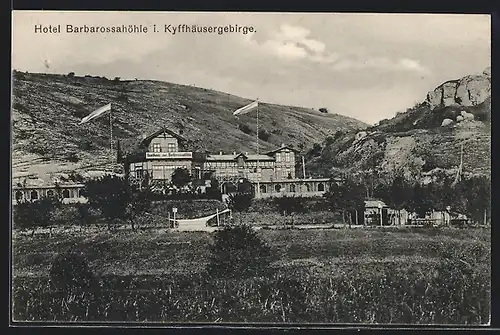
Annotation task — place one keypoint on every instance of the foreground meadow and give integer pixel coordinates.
(439, 276)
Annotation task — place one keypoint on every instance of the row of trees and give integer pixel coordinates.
(113, 197)
(471, 196)
(116, 200)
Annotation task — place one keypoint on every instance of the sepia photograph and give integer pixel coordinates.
(246, 168)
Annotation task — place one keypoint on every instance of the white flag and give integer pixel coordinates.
(248, 108)
(96, 113)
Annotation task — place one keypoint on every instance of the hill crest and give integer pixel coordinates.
(47, 108)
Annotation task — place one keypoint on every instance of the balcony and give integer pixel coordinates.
(169, 155)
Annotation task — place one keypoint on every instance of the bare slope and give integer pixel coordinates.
(46, 111)
(416, 140)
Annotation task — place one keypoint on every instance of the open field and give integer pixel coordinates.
(341, 275)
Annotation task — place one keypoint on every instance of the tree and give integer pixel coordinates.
(290, 205)
(345, 198)
(423, 199)
(245, 186)
(240, 202)
(71, 75)
(213, 192)
(323, 110)
(479, 195)
(397, 194)
(181, 177)
(36, 213)
(83, 214)
(111, 196)
(140, 203)
(238, 252)
(473, 197)
(316, 150)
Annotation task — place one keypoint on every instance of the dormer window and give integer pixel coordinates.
(278, 157)
(156, 147)
(171, 147)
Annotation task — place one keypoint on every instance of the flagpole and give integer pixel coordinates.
(258, 152)
(111, 134)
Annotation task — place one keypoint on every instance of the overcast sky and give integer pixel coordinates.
(367, 66)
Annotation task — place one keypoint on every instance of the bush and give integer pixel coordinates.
(238, 252)
(240, 202)
(110, 195)
(264, 135)
(288, 205)
(70, 272)
(71, 75)
(245, 128)
(323, 110)
(33, 214)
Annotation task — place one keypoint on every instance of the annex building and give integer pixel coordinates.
(158, 155)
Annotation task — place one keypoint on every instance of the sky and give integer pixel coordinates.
(366, 66)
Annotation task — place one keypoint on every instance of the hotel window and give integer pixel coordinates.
(156, 147)
(50, 193)
(19, 195)
(34, 195)
(139, 173)
(65, 194)
(292, 188)
(284, 174)
(171, 147)
(278, 157)
(287, 156)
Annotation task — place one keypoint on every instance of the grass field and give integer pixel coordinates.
(341, 275)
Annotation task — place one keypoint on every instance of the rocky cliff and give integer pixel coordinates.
(423, 141)
(468, 91)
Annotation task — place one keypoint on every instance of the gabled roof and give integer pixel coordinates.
(135, 148)
(162, 130)
(281, 148)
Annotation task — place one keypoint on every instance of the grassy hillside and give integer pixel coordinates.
(414, 141)
(47, 108)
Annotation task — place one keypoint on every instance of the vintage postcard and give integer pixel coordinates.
(251, 168)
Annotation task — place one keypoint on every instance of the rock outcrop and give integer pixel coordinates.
(468, 91)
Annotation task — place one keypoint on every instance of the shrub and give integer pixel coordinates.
(181, 177)
(33, 214)
(71, 75)
(72, 157)
(240, 202)
(110, 195)
(288, 205)
(238, 252)
(70, 272)
(323, 110)
(264, 135)
(245, 128)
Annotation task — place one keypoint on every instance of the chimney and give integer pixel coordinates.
(282, 145)
(143, 136)
(220, 152)
(246, 153)
(234, 153)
